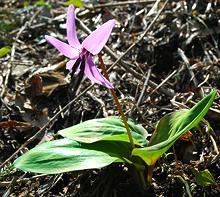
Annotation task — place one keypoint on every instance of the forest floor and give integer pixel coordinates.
(164, 55)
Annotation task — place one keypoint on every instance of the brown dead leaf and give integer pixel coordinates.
(14, 124)
(35, 86)
(44, 83)
(51, 81)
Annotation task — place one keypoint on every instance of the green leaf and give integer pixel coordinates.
(171, 127)
(65, 155)
(111, 128)
(4, 51)
(77, 3)
(40, 3)
(204, 178)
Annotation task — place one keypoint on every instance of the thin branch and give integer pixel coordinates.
(164, 81)
(120, 3)
(144, 87)
(188, 66)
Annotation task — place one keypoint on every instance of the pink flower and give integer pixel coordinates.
(81, 54)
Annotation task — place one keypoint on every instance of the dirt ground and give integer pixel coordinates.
(162, 56)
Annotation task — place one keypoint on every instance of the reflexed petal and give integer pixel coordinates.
(71, 28)
(69, 64)
(73, 66)
(98, 38)
(92, 72)
(63, 48)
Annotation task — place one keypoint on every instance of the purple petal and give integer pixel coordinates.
(69, 64)
(63, 48)
(92, 72)
(71, 28)
(98, 38)
(73, 66)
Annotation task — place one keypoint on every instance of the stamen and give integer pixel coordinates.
(82, 66)
(75, 66)
(81, 72)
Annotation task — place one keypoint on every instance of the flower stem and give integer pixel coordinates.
(117, 102)
(150, 174)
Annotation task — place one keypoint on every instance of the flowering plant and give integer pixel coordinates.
(99, 142)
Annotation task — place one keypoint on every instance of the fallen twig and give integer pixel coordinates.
(120, 3)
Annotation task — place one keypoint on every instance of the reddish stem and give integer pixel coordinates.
(117, 102)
